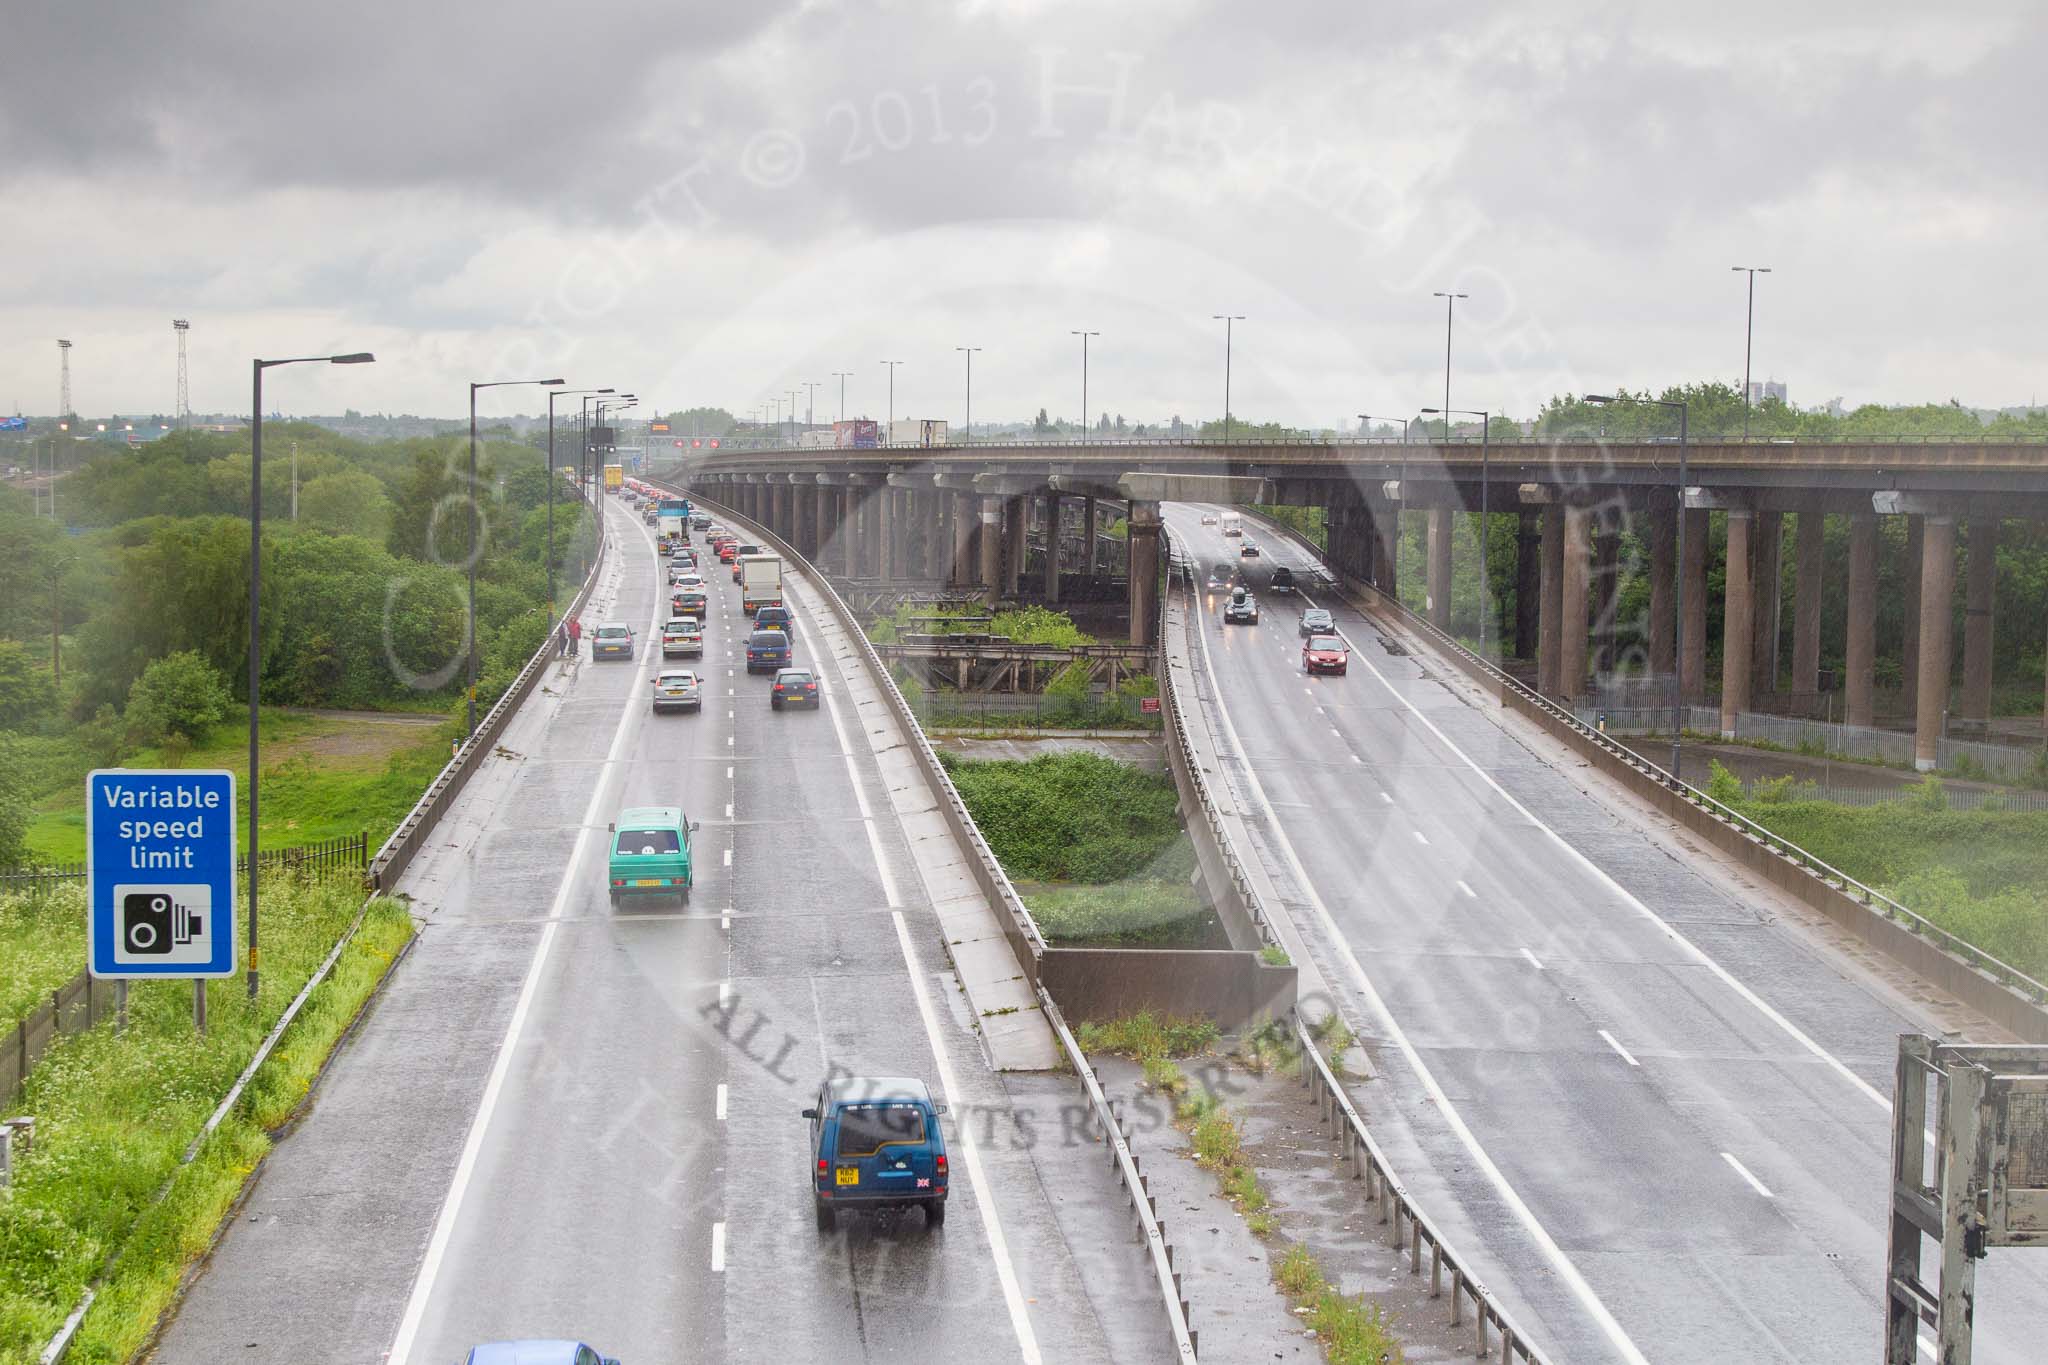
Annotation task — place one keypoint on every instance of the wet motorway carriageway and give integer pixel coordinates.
(565, 1119)
(1652, 1103)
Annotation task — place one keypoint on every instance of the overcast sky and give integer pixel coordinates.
(716, 202)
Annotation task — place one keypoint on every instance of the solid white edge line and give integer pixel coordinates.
(1629, 898)
(1574, 1280)
(501, 1065)
(1743, 1171)
(718, 1248)
(984, 1196)
(1626, 1056)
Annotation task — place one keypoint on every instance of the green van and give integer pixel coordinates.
(651, 853)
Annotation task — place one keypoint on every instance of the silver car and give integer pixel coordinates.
(677, 690)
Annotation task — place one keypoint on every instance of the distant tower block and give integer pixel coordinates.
(184, 409)
(63, 378)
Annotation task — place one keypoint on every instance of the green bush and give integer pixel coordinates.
(179, 694)
(1723, 785)
(1073, 817)
(1151, 911)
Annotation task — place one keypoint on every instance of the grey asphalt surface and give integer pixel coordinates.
(1521, 976)
(602, 1193)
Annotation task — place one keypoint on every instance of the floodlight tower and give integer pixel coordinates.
(63, 379)
(184, 409)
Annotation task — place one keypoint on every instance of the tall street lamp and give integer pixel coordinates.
(1450, 302)
(892, 364)
(552, 396)
(842, 376)
(1227, 319)
(1404, 421)
(1678, 558)
(811, 404)
(1748, 335)
(474, 553)
(792, 416)
(1084, 377)
(969, 351)
(1485, 508)
(255, 601)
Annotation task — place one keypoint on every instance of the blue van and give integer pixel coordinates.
(767, 651)
(876, 1143)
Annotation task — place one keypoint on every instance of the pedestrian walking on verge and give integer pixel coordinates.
(562, 640)
(575, 638)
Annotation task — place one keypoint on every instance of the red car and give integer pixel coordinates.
(1325, 654)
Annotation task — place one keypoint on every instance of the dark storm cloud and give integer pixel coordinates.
(375, 94)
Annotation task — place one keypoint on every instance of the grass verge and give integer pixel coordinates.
(324, 777)
(115, 1113)
(1982, 875)
(42, 944)
(1144, 1036)
(1150, 912)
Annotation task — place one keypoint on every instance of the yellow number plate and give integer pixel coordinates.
(848, 1175)
(648, 881)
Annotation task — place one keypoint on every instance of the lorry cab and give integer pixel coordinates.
(650, 854)
(876, 1143)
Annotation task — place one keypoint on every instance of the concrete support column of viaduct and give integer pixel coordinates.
(887, 549)
(1574, 586)
(822, 528)
(1937, 591)
(1909, 643)
(1692, 664)
(1144, 569)
(1663, 537)
(1979, 591)
(1859, 647)
(1605, 592)
(1550, 613)
(1088, 536)
(1439, 581)
(1809, 550)
(1738, 621)
(966, 520)
(1015, 510)
(1528, 580)
(1767, 542)
(989, 540)
(1052, 545)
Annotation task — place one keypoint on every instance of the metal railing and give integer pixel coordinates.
(1181, 756)
(995, 883)
(1151, 1229)
(348, 850)
(1562, 716)
(1383, 1189)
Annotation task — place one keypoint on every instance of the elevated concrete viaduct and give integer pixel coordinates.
(965, 519)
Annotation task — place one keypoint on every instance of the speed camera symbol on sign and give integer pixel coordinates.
(164, 925)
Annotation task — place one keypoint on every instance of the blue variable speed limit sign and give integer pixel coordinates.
(160, 873)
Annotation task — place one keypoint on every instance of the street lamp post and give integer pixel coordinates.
(792, 417)
(1227, 319)
(1485, 510)
(1404, 421)
(257, 368)
(1084, 378)
(474, 554)
(811, 404)
(1678, 559)
(1450, 302)
(892, 364)
(552, 396)
(842, 376)
(1748, 335)
(969, 351)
